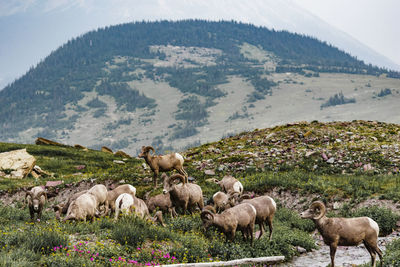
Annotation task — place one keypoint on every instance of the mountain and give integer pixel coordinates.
(174, 84)
(31, 30)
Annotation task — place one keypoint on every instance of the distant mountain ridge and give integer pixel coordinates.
(167, 83)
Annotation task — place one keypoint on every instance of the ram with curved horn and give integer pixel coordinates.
(184, 195)
(36, 199)
(344, 231)
(162, 163)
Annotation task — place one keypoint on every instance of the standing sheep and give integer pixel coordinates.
(184, 195)
(36, 199)
(161, 201)
(230, 184)
(99, 191)
(241, 217)
(63, 207)
(162, 163)
(112, 195)
(344, 231)
(83, 208)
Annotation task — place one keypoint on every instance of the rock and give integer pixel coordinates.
(106, 150)
(309, 153)
(336, 205)
(81, 147)
(16, 164)
(53, 183)
(118, 162)
(209, 172)
(368, 167)
(144, 166)
(301, 250)
(37, 172)
(324, 156)
(121, 153)
(331, 160)
(44, 141)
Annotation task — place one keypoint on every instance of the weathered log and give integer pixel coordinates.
(260, 260)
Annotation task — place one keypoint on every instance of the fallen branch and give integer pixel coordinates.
(265, 260)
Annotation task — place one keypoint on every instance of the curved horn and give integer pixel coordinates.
(29, 193)
(244, 196)
(42, 193)
(177, 176)
(150, 148)
(204, 213)
(321, 206)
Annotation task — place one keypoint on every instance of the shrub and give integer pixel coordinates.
(385, 218)
(186, 223)
(293, 220)
(338, 99)
(42, 240)
(392, 254)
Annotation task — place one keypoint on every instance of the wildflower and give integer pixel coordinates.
(91, 259)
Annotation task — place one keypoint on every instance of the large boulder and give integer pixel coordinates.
(16, 164)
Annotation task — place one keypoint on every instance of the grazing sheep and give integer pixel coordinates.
(162, 163)
(63, 208)
(112, 195)
(266, 208)
(230, 184)
(127, 204)
(241, 217)
(99, 191)
(161, 201)
(84, 207)
(184, 195)
(36, 199)
(223, 201)
(344, 231)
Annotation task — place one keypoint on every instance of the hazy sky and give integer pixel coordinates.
(31, 29)
(375, 23)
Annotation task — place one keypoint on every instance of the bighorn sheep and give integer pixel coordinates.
(266, 208)
(84, 207)
(230, 184)
(184, 195)
(36, 199)
(63, 208)
(223, 201)
(161, 201)
(99, 191)
(163, 162)
(112, 195)
(344, 231)
(241, 217)
(127, 203)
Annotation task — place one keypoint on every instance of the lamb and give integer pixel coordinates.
(127, 203)
(99, 191)
(161, 201)
(230, 184)
(36, 199)
(344, 231)
(184, 195)
(63, 208)
(112, 195)
(266, 208)
(241, 217)
(223, 201)
(163, 162)
(84, 207)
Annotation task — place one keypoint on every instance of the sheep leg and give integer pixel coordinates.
(269, 222)
(251, 230)
(371, 253)
(261, 226)
(32, 213)
(155, 178)
(333, 248)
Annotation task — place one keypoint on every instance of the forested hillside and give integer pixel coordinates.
(107, 80)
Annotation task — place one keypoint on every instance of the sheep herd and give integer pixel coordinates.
(231, 210)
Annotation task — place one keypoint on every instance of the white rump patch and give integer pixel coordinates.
(179, 156)
(255, 211)
(374, 225)
(215, 194)
(133, 189)
(238, 187)
(273, 202)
